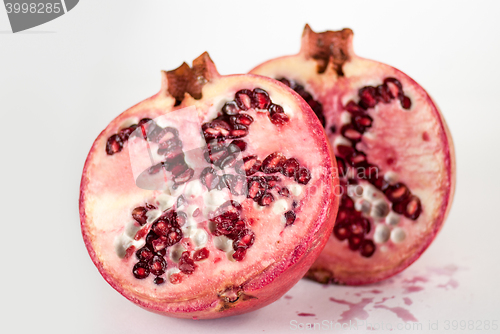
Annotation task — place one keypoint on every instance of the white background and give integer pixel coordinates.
(62, 82)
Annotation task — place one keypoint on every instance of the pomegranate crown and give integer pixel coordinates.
(329, 47)
(191, 80)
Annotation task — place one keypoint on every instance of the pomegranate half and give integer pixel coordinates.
(211, 198)
(394, 152)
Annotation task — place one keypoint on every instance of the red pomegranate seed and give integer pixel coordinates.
(178, 168)
(239, 131)
(251, 165)
(413, 208)
(201, 254)
(140, 270)
(174, 235)
(128, 252)
(149, 128)
(368, 97)
(290, 167)
(169, 145)
(159, 280)
(284, 192)
(406, 102)
(379, 182)
(176, 278)
(271, 181)
(186, 264)
(395, 87)
(239, 230)
(279, 118)
(114, 145)
(145, 253)
(231, 207)
(216, 156)
(275, 109)
(344, 150)
(366, 225)
(160, 243)
(224, 227)
(161, 227)
(139, 215)
(239, 255)
(362, 122)
(289, 218)
(397, 193)
(225, 223)
(318, 110)
(349, 132)
(266, 199)
(243, 119)
(303, 176)
(216, 129)
(228, 161)
(367, 248)
(209, 178)
(151, 237)
(353, 107)
(273, 163)
(124, 134)
(256, 188)
(346, 202)
(399, 207)
(302, 92)
(166, 134)
(342, 230)
(355, 241)
(368, 172)
(356, 158)
(342, 168)
(243, 99)
(230, 108)
(236, 184)
(157, 265)
(244, 240)
(384, 94)
(285, 82)
(261, 99)
(357, 227)
(239, 144)
(215, 145)
(342, 214)
(184, 177)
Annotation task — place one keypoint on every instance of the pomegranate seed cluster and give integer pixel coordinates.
(258, 179)
(234, 123)
(354, 223)
(163, 233)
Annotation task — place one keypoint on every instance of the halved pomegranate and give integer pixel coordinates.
(200, 203)
(394, 152)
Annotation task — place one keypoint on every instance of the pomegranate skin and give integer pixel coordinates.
(258, 280)
(413, 141)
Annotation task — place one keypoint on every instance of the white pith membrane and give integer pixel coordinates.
(412, 146)
(109, 194)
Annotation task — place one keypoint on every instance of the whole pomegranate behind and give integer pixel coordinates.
(212, 197)
(394, 153)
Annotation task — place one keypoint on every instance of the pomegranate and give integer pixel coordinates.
(394, 152)
(200, 202)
